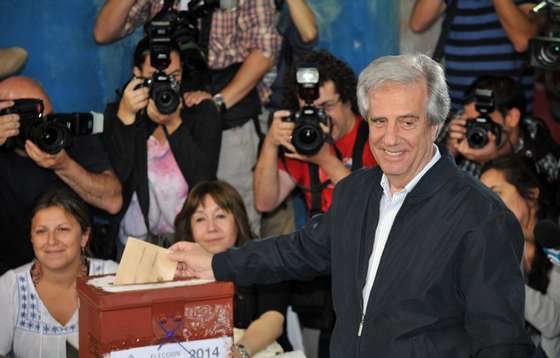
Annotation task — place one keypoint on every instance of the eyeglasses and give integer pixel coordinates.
(329, 105)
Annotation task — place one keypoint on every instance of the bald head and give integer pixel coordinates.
(24, 87)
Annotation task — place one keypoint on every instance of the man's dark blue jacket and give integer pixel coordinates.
(449, 284)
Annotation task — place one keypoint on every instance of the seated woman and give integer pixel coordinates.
(516, 184)
(214, 216)
(39, 301)
(158, 156)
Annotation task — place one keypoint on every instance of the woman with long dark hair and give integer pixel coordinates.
(513, 180)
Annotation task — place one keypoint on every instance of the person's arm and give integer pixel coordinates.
(262, 332)
(271, 185)
(304, 19)
(517, 23)
(261, 41)
(425, 13)
(543, 312)
(109, 25)
(493, 289)
(247, 77)
(102, 190)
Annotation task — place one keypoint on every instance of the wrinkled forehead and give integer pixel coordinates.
(23, 87)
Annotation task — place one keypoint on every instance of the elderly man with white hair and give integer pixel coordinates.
(425, 261)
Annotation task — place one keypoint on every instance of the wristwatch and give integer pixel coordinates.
(242, 351)
(219, 102)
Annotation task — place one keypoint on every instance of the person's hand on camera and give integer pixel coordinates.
(9, 123)
(58, 161)
(456, 133)
(280, 131)
(133, 100)
(195, 97)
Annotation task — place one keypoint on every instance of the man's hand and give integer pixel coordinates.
(132, 101)
(193, 260)
(280, 131)
(195, 97)
(9, 123)
(56, 161)
(456, 134)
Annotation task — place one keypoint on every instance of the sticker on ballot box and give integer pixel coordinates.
(204, 348)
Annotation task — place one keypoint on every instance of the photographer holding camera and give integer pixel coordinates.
(333, 154)
(475, 138)
(27, 171)
(241, 44)
(159, 147)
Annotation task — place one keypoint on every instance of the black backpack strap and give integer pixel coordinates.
(359, 143)
(445, 26)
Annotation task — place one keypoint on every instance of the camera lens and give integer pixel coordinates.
(550, 53)
(477, 137)
(50, 137)
(308, 135)
(166, 99)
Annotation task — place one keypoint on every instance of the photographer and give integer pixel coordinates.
(158, 157)
(274, 180)
(27, 172)
(242, 45)
(517, 133)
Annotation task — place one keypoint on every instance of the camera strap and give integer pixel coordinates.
(316, 187)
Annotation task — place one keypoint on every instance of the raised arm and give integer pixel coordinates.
(271, 185)
(304, 19)
(517, 23)
(110, 23)
(425, 13)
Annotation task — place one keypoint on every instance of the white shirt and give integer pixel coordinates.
(26, 326)
(389, 207)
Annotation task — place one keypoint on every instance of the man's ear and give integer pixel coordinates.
(136, 71)
(513, 116)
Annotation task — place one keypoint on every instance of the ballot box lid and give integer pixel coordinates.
(103, 299)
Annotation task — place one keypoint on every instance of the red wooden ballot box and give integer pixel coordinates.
(117, 321)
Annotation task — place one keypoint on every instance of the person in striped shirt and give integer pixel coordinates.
(486, 37)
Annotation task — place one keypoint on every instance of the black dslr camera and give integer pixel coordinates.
(478, 128)
(308, 137)
(545, 50)
(51, 133)
(181, 28)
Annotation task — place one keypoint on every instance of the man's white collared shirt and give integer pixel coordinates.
(389, 206)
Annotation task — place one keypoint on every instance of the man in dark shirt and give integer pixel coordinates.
(28, 172)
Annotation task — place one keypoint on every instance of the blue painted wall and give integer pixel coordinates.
(358, 31)
(80, 75)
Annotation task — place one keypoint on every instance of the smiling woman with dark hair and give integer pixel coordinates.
(39, 300)
(215, 217)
